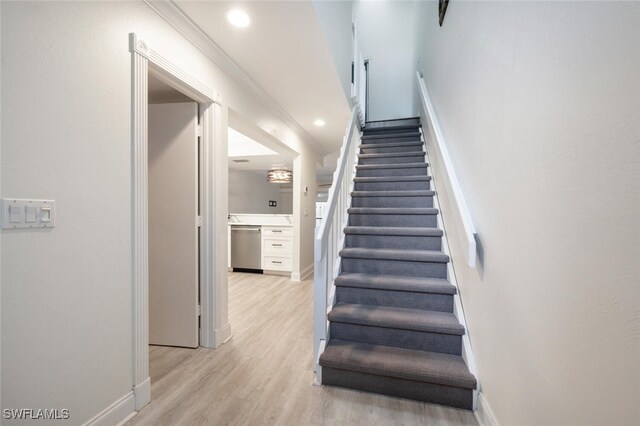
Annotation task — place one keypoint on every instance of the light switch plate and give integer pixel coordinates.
(16, 213)
(31, 214)
(24, 213)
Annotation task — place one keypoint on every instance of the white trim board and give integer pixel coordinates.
(213, 270)
(484, 415)
(175, 17)
(142, 393)
(223, 335)
(117, 413)
(468, 237)
(458, 309)
(303, 274)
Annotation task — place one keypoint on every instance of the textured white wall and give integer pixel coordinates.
(304, 205)
(1, 335)
(335, 20)
(66, 110)
(249, 192)
(386, 35)
(66, 293)
(540, 104)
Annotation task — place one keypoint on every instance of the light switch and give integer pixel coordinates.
(45, 214)
(15, 213)
(20, 213)
(31, 214)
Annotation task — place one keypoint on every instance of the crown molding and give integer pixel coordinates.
(175, 17)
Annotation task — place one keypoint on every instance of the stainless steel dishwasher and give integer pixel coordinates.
(246, 247)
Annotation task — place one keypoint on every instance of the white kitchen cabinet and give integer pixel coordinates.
(277, 248)
(277, 231)
(276, 241)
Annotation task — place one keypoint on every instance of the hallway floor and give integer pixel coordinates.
(263, 375)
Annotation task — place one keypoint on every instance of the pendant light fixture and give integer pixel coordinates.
(279, 175)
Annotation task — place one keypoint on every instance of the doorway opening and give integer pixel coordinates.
(175, 175)
(211, 270)
(260, 202)
(366, 90)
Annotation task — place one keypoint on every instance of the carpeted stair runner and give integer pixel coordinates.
(392, 330)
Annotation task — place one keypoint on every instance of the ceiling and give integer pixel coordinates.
(284, 51)
(261, 163)
(241, 146)
(246, 153)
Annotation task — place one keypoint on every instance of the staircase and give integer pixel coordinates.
(392, 329)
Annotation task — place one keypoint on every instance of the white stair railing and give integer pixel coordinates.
(361, 100)
(329, 238)
(359, 86)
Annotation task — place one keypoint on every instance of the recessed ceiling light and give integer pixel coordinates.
(319, 122)
(238, 18)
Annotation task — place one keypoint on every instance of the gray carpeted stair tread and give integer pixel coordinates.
(421, 165)
(393, 135)
(392, 138)
(393, 210)
(393, 154)
(392, 230)
(399, 318)
(409, 193)
(404, 121)
(392, 141)
(374, 179)
(395, 254)
(393, 327)
(430, 367)
(395, 283)
(399, 129)
(392, 145)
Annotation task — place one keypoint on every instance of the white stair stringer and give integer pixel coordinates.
(458, 311)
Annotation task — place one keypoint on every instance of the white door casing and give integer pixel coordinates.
(173, 224)
(214, 326)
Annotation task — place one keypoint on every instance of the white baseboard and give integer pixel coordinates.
(126, 419)
(303, 274)
(317, 378)
(142, 393)
(222, 335)
(483, 413)
(118, 412)
(280, 273)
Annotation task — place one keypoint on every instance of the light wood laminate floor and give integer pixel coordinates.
(263, 375)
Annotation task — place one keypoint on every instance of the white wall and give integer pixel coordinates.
(386, 35)
(249, 192)
(286, 198)
(1, 335)
(304, 204)
(66, 109)
(539, 103)
(335, 18)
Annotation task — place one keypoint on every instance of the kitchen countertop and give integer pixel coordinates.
(283, 220)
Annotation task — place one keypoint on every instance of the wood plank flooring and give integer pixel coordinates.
(264, 375)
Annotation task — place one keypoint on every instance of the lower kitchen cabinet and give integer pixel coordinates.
(277, 248)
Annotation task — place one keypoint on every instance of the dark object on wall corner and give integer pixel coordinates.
(442, 9)
(273, 203)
